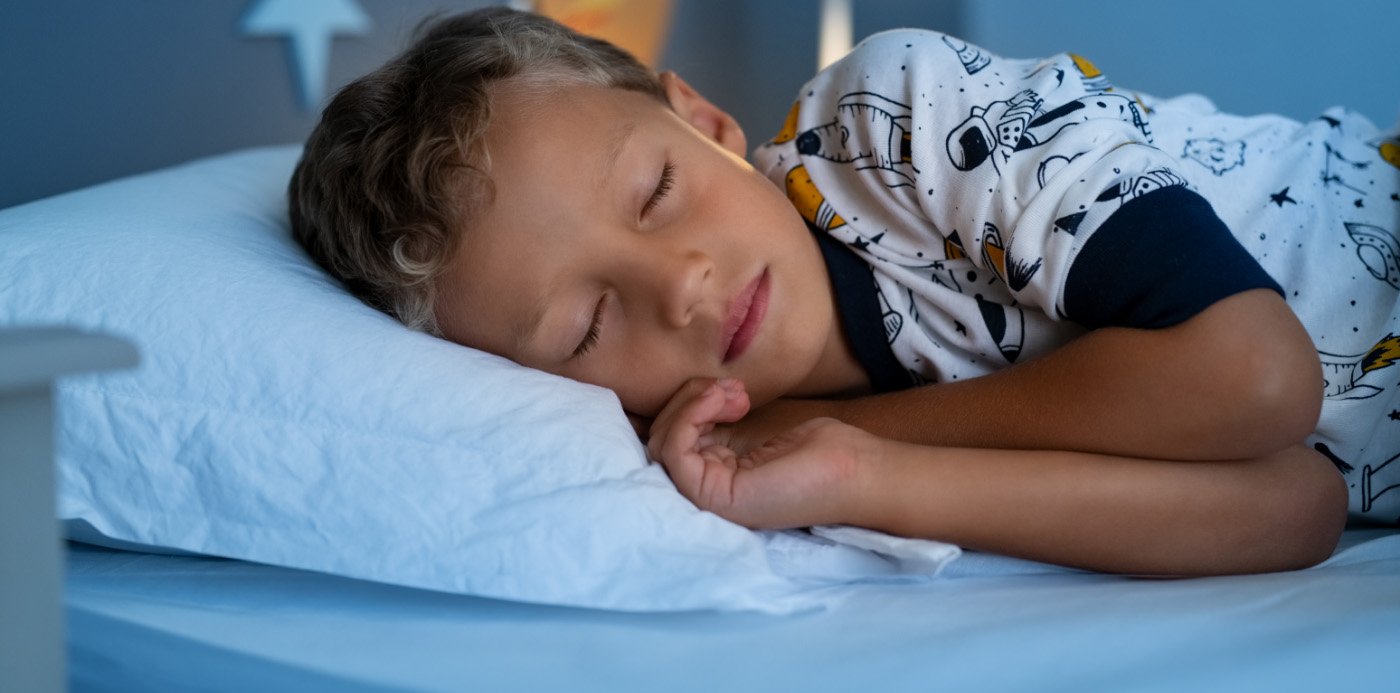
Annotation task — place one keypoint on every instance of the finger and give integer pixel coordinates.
(736, 400)
(682, 455)
(683, 395)
(736, 405)
(686, 425)
(714, 489)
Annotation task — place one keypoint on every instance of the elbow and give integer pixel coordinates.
(1280, 396)
(1292, 399)
(1258, 377)
(1304, 513)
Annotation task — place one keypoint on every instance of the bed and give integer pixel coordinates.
(149, 622)
(292, 491)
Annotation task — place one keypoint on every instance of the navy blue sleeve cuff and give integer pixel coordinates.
(1156, 262)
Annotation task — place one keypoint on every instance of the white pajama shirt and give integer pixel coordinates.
(976, 211)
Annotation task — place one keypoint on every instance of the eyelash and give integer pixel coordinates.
(591, 337)
(663, 186)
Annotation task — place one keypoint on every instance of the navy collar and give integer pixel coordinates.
(858, 308)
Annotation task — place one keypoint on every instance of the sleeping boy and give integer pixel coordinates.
(993, 302)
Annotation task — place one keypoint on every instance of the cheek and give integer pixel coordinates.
(642, 382)
(642, 397)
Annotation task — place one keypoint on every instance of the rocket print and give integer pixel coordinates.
(1378, 250)
(1343, 376)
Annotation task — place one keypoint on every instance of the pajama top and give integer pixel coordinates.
(976, 211)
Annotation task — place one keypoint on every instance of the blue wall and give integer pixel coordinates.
(91, 90)
(1294, 57)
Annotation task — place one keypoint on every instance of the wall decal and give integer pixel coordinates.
(309, 25)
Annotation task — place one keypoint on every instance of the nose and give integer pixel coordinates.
(676, 285)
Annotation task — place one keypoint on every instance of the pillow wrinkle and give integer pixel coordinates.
(276, 418)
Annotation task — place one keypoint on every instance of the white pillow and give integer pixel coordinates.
(275, 418)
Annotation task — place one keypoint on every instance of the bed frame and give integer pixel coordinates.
(31, 630)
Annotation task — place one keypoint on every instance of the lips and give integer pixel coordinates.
(745, 317)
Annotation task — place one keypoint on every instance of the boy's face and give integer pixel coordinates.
(626, 248)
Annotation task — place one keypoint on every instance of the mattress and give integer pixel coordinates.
(139, 621)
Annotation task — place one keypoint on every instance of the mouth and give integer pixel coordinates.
(745, 316)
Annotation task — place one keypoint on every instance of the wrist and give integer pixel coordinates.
(867, 495)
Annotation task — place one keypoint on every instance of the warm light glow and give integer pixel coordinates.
(636, 26)
(835, 37)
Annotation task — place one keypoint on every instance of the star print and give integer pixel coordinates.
(960, 327)
(1333, 122)
(1281, 197)
(938, 265)
(860, 244)
(1358, 203)
(1394, 415)
(876, 238)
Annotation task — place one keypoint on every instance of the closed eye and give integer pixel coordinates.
(663, 186)
(590, 338)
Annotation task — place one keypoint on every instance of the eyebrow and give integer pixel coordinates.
(525, 331)
(612, 151)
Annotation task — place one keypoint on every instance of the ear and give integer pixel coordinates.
(703, 115)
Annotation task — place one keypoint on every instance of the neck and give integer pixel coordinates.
(837, 372)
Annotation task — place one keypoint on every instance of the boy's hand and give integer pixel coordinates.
(804, 476)
(776, 418)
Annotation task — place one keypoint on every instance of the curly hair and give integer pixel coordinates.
(392, 173)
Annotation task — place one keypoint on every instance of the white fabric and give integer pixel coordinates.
(969, 182)
(1318, 205)
(275, 418)
(956, 174)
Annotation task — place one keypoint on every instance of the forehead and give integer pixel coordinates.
(549, 153)
(523, 111)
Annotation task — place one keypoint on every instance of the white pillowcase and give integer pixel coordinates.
(275, 418)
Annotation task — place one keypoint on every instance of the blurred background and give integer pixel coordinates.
(96, 89)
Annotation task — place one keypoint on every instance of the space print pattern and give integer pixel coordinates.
(969, 182)
(1317, 203)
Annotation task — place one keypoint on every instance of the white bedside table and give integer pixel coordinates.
(31, 568)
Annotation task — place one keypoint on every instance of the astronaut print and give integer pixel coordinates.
(969, 184)
(870, 132)
(998, 130)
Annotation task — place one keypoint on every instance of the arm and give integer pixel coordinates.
(1239, 379)
(1279, 511)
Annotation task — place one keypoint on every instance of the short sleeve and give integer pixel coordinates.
(919, 148)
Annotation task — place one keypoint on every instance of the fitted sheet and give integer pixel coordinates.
(156, 622)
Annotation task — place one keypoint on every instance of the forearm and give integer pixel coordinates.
(1107, 513)
(1207, 389)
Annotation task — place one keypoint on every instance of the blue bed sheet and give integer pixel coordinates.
(148, 622)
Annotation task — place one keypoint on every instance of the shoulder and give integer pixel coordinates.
(912, 49)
